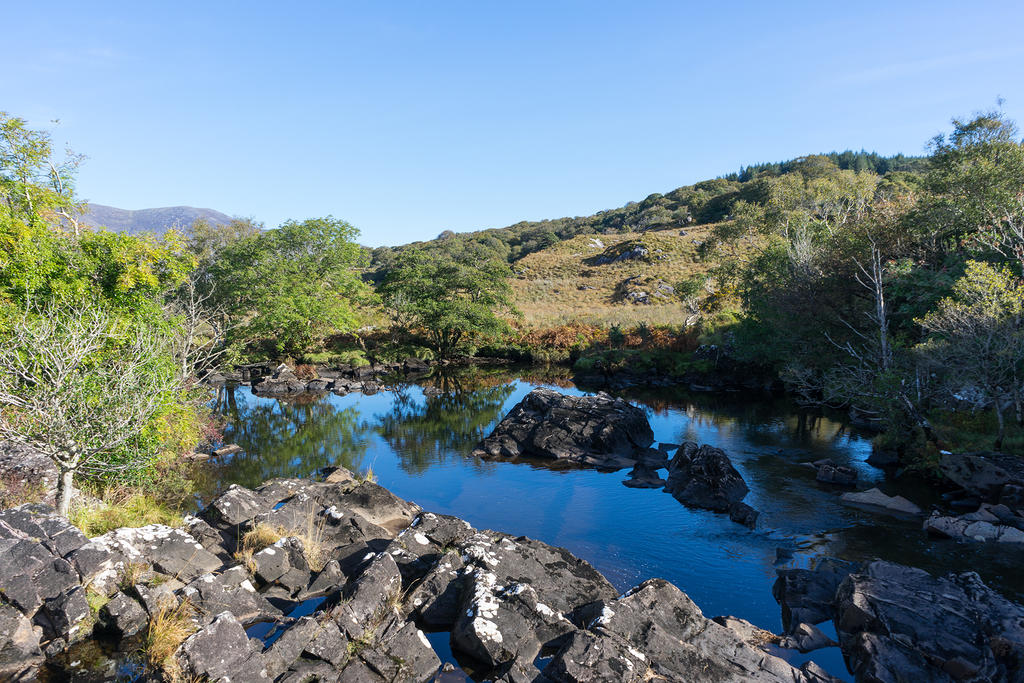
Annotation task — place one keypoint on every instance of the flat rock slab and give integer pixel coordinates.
(873, 498)
(584, 430)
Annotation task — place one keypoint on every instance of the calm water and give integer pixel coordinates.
(417, 439)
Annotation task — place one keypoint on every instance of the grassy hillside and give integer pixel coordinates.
(608, 279)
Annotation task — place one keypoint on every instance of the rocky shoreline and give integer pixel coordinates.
(357, 585)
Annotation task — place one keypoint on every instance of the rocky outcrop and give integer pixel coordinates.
(898, 623)
(597, 431)
(990, 523)
(345, 597)
(281, 380)
(703, 476)
(988, 477)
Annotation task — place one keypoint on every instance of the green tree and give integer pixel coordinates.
(450, 301)
(293, 286)
(977, 340)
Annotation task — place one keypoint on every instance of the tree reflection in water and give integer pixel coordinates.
(288, 438)
(457, 411)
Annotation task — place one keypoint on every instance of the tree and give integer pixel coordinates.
(33, 185)
(978, 339)
(451, 301)
(78, 385)
(977, 175)
(292, 286)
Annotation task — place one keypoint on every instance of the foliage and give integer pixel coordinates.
(290, 287)
(451, 301)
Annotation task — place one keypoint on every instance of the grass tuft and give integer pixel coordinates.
(168, 629)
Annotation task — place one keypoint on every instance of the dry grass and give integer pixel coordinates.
(167, 630)
(132, 574)
(264, 535)
(562, 284)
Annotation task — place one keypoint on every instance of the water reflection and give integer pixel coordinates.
(287, 438)
(449, 419)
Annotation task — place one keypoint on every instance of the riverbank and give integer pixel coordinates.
(342, 580)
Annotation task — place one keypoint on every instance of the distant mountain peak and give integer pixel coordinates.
(148, 220)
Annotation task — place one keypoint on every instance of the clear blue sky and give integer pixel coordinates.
(408, 118)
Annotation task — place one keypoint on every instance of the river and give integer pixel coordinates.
(417, 438)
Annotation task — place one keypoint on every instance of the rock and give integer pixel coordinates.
(588, 657)
(220, 652)
(549, 425)
(741, 513)
(434, 601)
(967, 529)
(704, 477)
(900, 623)
(661, 626)
(284, 564)
(282, 382)
(231, 592)
(230, 449)
(155, 598)
(806, 638)
(840, 475)
(64, 613)
(20, 656)
(283, 652)
(122, 616)
(809, 595)
(501, 621)
(873, 498)
(881, 457)
(402, 653)
(367, 600)
(989, 476)
(170, 551)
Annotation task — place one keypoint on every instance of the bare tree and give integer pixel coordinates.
(202, 329)
(77, 386)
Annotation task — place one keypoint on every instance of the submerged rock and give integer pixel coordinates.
(598, 431)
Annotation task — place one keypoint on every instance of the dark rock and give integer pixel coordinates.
(989, 476)
(840, 475)
(661, 626)
(370, 597)
(809, 595)
(154, 598)
(170, 551)
(881, 457)
(642, 477)
(576, 429)
(741, 513)
(231, 592)
(900, 623)
(221, 652)
(282, 383)
(64, 613)
(704, 477)
(230, 449)
(122, 616)
(20, 655)
(402, 653)
(434, 601)
(588, 657)
(284, 564)
(283, 652)
(498, 622)
(318, 385)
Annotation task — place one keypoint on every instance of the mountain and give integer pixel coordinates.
(148, 220)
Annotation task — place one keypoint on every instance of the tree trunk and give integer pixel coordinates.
(998, 445)
(65, 489)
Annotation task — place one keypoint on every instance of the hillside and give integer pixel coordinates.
(148, 220)
(619, 279)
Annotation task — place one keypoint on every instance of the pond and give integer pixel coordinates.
(417, 438)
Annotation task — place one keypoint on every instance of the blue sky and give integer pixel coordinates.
(409, 118)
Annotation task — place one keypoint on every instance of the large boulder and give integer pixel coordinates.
(599, 431)
(703, 477)
(659, 633)
(20, 655)
(808, 596)
(221, 653)
(899, 623)
(992, 477)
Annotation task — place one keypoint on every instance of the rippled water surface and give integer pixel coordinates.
(418, 440)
